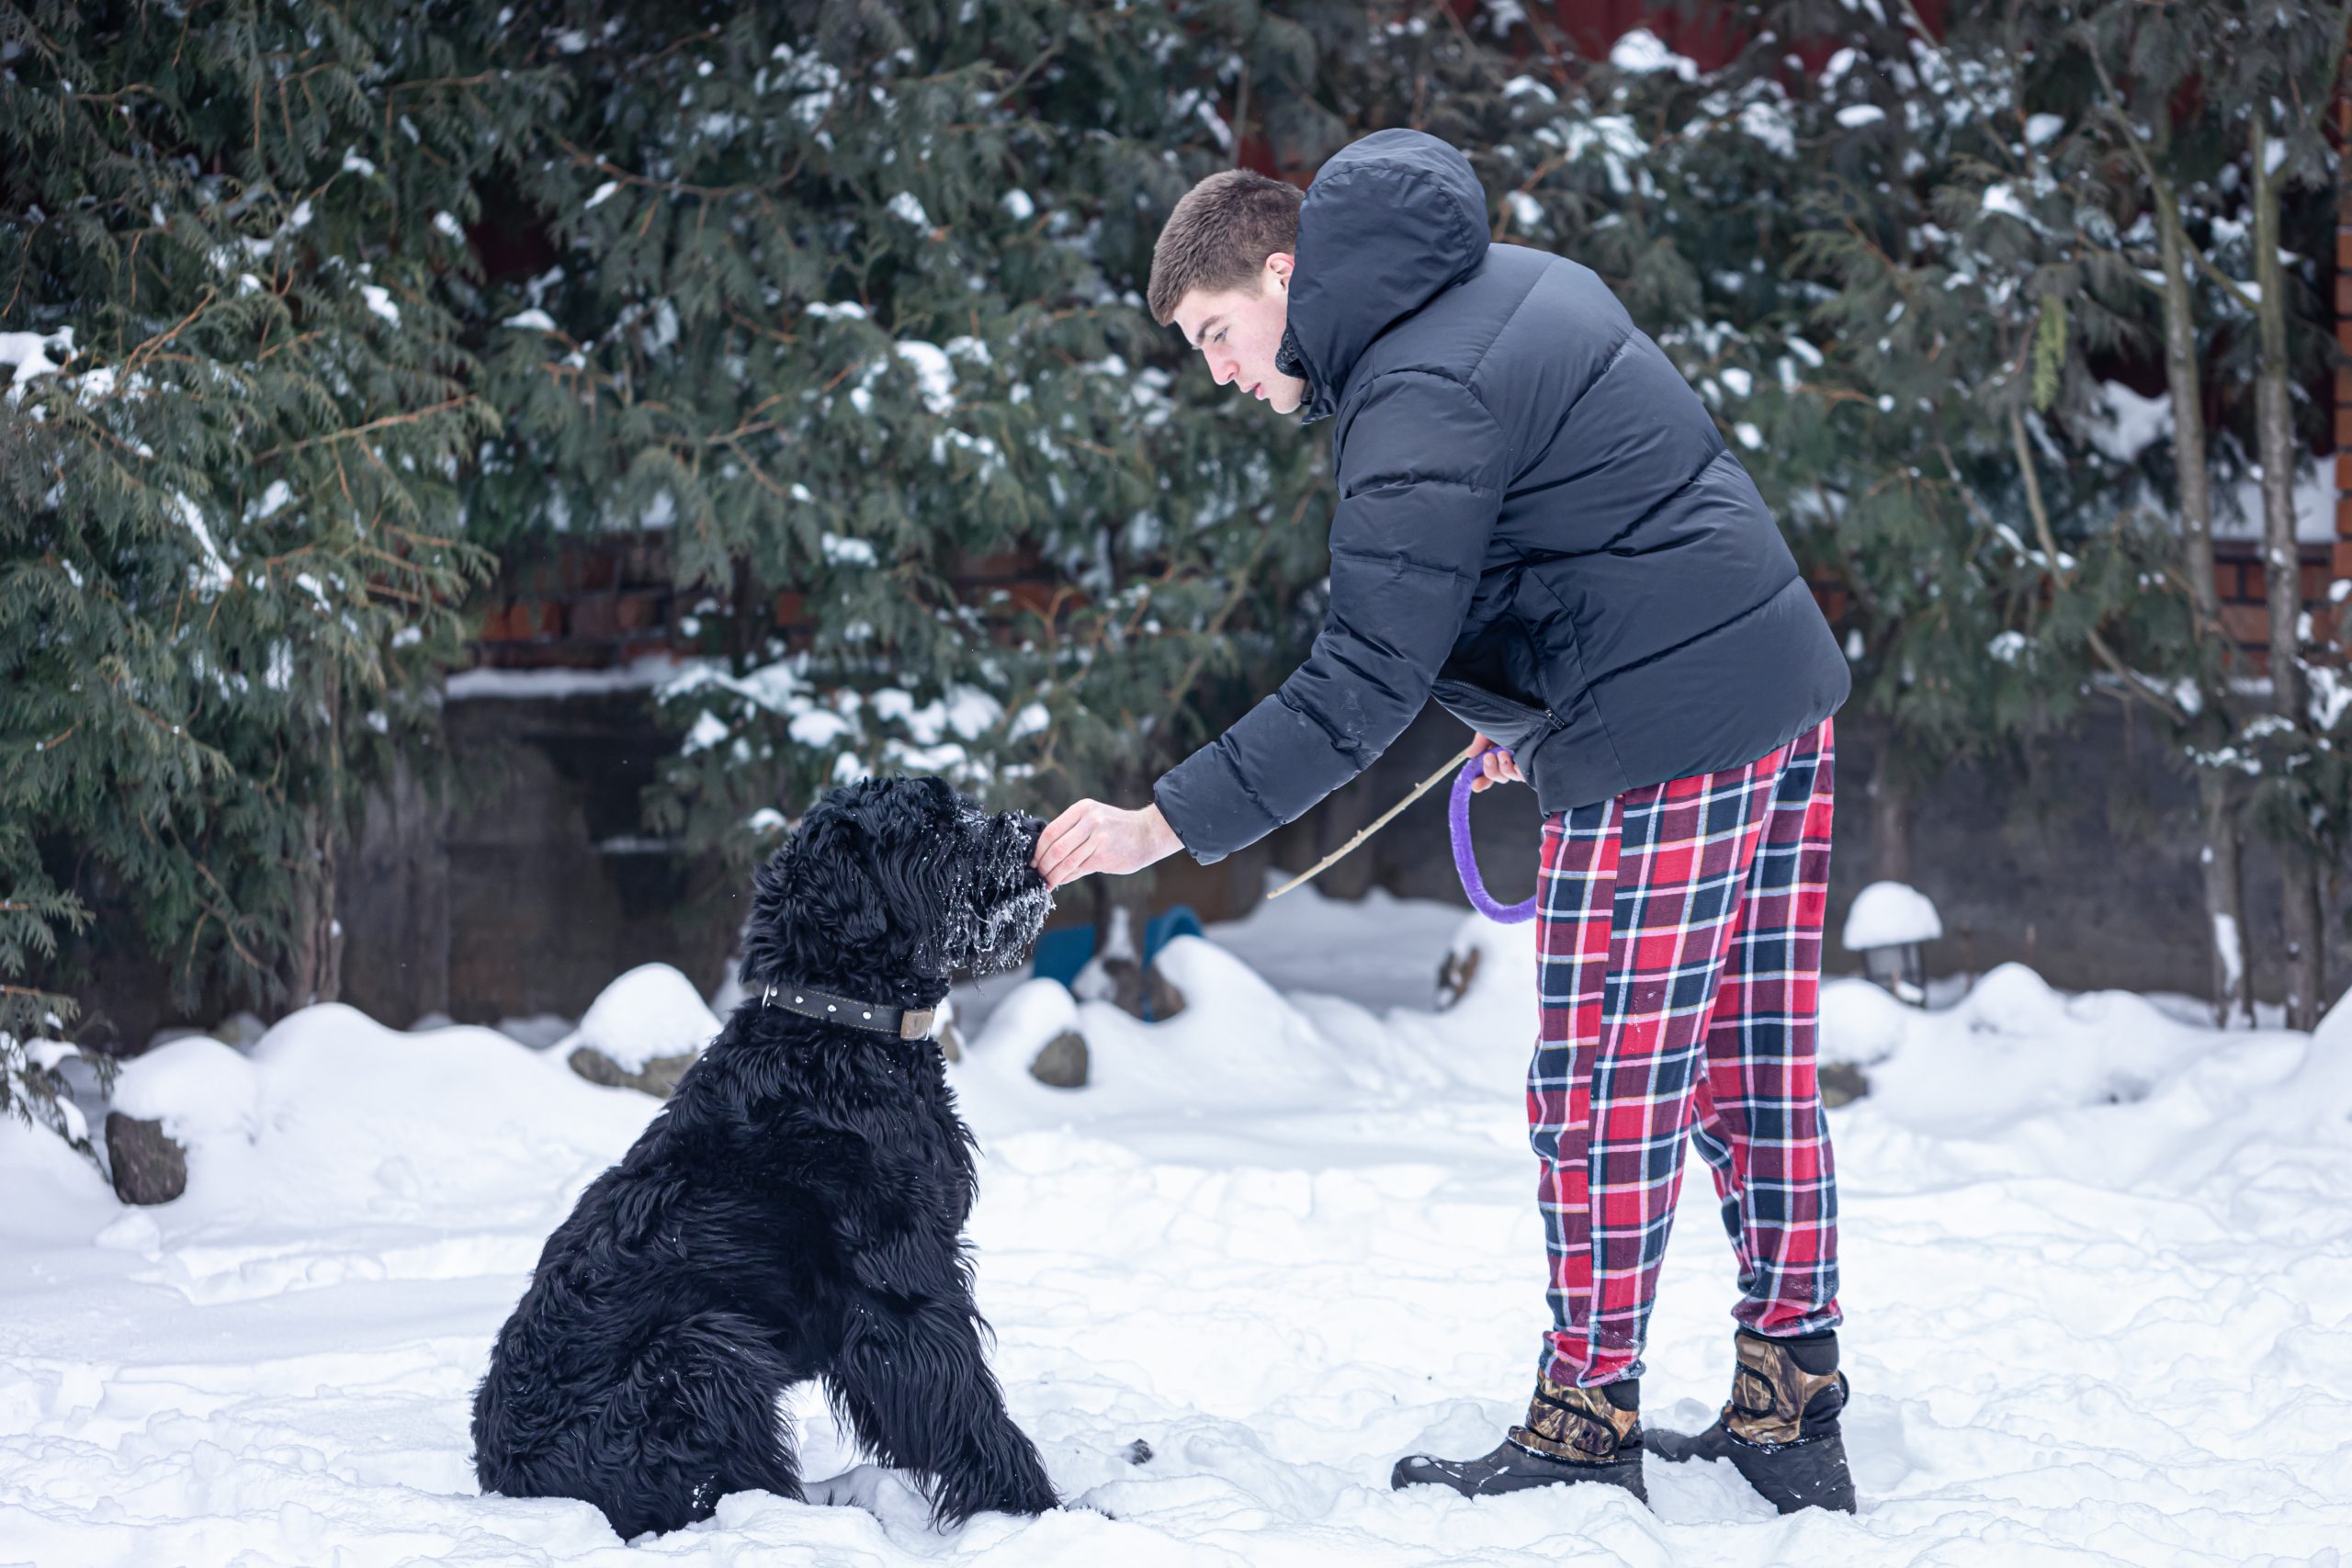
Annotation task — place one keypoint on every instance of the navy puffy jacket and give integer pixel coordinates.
(1539, 525)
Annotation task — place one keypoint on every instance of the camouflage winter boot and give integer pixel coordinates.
(1781, 1428)
(1570, 1434)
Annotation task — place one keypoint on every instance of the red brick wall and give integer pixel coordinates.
(2241, 578)
(606, 600)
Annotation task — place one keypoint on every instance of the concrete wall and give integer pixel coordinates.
(2081, 862)
(535, 884)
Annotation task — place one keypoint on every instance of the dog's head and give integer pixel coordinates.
(891, 885)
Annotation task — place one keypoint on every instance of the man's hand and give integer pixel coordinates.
(1500, 765)
(1091, 837)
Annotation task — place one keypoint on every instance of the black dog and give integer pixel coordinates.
(794, 1212)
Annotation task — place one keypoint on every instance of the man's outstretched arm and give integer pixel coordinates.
(1422, 475)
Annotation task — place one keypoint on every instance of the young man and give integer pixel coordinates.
(1540, 527)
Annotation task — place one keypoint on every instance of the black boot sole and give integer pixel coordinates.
(1811, 1474)
(1510, 1469)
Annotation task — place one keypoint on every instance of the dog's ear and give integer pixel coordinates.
(813, 898)
(833, 890)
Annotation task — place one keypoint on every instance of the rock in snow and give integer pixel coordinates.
(1037, 1024)
(1842, 1083)
(642, 1031)
(659, 1077)
(1029, 1015)
(1062, 1064)
(148, 1166)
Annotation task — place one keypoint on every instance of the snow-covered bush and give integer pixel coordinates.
(232, 404)
(34, 1088)
(846, 303)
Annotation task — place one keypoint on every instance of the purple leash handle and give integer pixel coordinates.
(1465, 860)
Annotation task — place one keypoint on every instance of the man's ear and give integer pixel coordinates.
(1279, 264)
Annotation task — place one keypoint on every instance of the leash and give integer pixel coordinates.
(1465, 860)
(1328, 861)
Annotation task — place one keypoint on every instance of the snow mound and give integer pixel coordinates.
(1860, 1023)
(196, 1087)
(1887, 913)
(1030, 1014)
(386, 1151)
(2094, 1085)
(652, 1011)
(1238, 1041)
(1237, 1035)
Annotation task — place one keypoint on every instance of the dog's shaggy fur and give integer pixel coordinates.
(794, 1212)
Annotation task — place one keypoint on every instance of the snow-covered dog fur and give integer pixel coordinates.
(794, 1212)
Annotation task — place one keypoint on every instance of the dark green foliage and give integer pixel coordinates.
(848, 301)
(228, 551)
(32, 1021)
(1888, 278)
(846, 298)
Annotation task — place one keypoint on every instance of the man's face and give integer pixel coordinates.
(1237, 332)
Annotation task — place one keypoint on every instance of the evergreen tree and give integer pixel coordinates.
(2005, 315)
(33, 1021)
(2165, 168)
(846, 303)
(849, 302)
(1831, 239)
(229, 562)
(2281, 79)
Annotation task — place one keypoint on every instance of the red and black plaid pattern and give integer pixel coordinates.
(1680, 943)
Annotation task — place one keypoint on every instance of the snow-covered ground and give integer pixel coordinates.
(2098, 1279)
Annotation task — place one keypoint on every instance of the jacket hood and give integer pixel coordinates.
(1389, 222)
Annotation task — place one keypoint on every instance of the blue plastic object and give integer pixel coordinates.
(1176, 921)
(1061, 954)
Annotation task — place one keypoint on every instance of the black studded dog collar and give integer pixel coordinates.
(906, 1024)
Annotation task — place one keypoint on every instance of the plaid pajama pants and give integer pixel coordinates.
(1680, 935)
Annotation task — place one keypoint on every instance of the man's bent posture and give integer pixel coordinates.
(1540, 527)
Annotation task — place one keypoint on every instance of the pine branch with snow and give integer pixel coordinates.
(235, 403)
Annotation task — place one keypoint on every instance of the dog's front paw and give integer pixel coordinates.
(1024, 1495)
(1045, 1500)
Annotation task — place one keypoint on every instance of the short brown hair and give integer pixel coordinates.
(1219, 237)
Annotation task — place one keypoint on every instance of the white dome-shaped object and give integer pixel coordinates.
(650, 1011)
(1887, 914)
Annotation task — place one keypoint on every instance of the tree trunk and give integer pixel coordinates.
(2224, 913)
(314, 942)
(2216, 856)
(1890, 820)
(2282, 584)
(314, 951)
